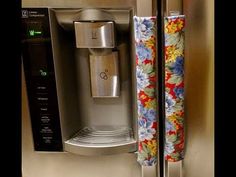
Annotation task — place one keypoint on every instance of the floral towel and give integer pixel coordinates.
(145, 44)
(174, 87)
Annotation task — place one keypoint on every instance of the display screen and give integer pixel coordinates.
(40, 79)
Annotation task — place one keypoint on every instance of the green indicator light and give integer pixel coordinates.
(33, 32)
(37, 32)
(43, 73)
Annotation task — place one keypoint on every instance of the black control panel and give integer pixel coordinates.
(40, 79)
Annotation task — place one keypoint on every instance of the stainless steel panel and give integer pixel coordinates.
(79, 3)
(104, 73)
(118, 165)
(199, 88)
(174, 7)
(145, 8)
(63, 56)
(103, 112)
(174, 169)
(67, 17)
(106, 112)
(120, 110)
(94, 34)
(149, 171)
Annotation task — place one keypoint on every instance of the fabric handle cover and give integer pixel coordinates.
(174, 87)
(145, 50)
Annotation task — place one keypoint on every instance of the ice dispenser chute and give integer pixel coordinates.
(99, 38)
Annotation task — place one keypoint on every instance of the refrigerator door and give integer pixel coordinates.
(198, 100)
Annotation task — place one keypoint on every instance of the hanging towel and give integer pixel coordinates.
(145, 50)
(174, 87)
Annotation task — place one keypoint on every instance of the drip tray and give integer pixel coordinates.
(105, 140)
(102, 136)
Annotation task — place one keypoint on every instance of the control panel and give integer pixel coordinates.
(40, 79)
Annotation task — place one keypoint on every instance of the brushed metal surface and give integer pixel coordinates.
(99, 150)
(62, 48)
(174, 169)
(119, 165)
(106, 112)
(95, 34)
(149, 171)
(120, 110)
(77, 87)
(79, 3)
(199, 103)
(174, 7)
(67, 16)
(95, 14)
(104, 73)
(199, 88)
(145, 8)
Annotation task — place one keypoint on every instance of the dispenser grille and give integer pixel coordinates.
(103, 135)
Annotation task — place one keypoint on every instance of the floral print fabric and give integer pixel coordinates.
(145, 44)
(174, 87)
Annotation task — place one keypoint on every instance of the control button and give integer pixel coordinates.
(42, 101)
(46, 130)
(45, 119)
(43, 109)
(41, 87)
(33, 33)
(43, 104)
(48, 119)
(47, 139)
(42, 98)
(46, 108)
(43, 72)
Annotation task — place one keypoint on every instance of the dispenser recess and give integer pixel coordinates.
(94, 70)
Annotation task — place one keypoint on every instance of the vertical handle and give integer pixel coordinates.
(174, 87)
(149, 171)
(145, 49)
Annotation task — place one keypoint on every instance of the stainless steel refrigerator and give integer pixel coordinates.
(82, 85)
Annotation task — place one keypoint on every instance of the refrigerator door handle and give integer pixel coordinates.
(174, 169)
(149, 171)
(174, 88)
(145, 45)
